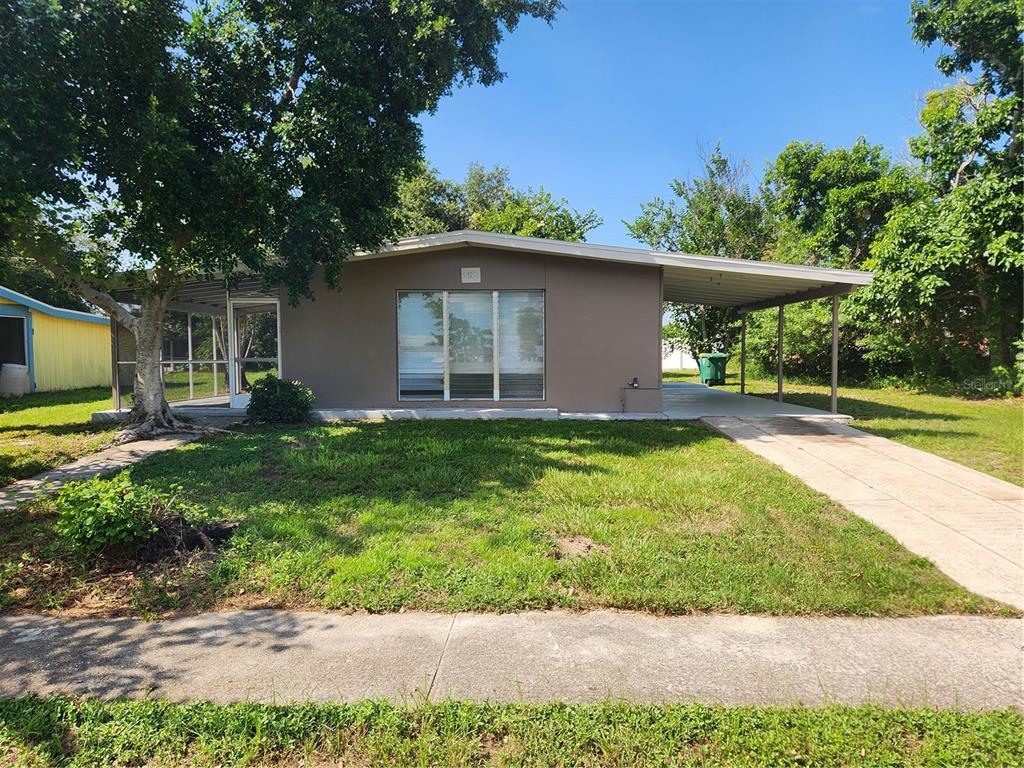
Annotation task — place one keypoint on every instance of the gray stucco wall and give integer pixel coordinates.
(602, 326)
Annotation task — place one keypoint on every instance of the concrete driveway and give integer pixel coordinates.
(971, 525)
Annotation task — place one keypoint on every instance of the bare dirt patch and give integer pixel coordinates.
(170, 572)
(577, 546)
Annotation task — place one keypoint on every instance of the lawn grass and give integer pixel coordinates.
(463, 516)
(984, 434)
(75, 732)
(43, 430)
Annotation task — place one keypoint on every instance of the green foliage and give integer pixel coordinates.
(717, 215)
(537, 214)
(948, 278)
(269, 136)
(831, 204)
(27, 277)
(948, 266)
(807, 342)
(36, 731)
(486, 201)
(279, 401)
(100, 514)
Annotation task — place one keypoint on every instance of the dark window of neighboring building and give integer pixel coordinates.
(12, 340)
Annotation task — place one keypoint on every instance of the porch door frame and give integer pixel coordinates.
(238, 399)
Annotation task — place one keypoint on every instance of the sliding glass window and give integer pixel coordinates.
(471, 345)
(421, 345)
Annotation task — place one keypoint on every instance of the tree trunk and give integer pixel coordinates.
(150, 411)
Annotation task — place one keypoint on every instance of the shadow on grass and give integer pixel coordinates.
(400, 461)
(860, 408)
(346, 486)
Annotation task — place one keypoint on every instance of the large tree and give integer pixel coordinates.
(828, 207)
(147, 142)
(715, 214)
(949, 266)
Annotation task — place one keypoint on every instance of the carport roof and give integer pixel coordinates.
(687, 278)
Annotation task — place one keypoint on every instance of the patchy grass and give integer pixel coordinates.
(46, 429)
(984, 434)
(66, 732)
(460, 516)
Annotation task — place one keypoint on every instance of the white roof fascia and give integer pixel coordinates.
(467, 237)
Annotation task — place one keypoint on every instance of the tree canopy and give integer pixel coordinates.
(949, 266)
(716, 214)
(486, 200)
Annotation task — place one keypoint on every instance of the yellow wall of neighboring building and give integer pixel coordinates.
(69, 354)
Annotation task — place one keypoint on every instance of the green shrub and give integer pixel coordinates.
(279, 401)
(100, 514)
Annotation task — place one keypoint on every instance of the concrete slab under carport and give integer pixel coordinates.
(689, 401)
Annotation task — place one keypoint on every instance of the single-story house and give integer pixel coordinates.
(476, 320)
(63, 348)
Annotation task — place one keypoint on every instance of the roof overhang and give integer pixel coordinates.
(47, 309)
(687, 278)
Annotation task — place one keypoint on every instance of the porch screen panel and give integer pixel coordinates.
(471, 345)
(521, 345)
(420, 345)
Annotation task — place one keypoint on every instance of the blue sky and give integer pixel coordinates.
(616, 98)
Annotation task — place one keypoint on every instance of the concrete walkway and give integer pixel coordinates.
(105, 462)
(941, 661)
(971, 525)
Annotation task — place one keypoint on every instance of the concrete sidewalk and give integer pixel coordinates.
(941, 661)
(971, 525)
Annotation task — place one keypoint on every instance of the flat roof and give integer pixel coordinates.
(686, 278)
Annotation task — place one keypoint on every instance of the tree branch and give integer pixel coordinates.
(958, 178)
(287, 96)
(42, 245)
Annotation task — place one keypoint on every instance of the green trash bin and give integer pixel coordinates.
(712, 368)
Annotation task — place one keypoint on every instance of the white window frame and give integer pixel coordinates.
(495, 346)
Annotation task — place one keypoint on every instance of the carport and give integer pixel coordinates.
(748, 286)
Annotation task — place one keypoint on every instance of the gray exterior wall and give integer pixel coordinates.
(602, 328)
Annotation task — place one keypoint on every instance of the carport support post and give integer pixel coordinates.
(778, 351)
(743, 354)
(835, 354)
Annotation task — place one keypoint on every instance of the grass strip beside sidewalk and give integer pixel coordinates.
(59, 732)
